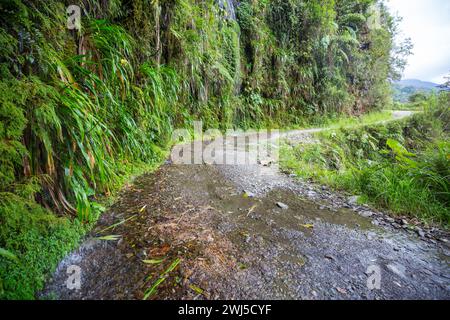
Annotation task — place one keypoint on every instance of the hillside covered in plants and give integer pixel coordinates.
(83, 109)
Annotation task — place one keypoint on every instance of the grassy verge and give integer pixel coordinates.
(342, 120)
(402, 166)
(365, 119)
(33, 239)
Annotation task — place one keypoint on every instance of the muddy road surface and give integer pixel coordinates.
(249, 231)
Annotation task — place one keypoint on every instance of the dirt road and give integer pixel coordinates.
(252, 232)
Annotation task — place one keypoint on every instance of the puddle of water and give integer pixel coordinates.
(300, 212)
(258, 226)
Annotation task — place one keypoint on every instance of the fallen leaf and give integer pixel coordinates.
(8, 254)
(111, 237)
(160, 251)
(196, 289)
(153, 261)
(340, 290)
(251, 209)
(242, 266)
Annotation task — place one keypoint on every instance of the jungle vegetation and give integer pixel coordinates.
(81, 110)
(402, 166)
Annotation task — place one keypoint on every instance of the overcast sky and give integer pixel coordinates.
(427, 23)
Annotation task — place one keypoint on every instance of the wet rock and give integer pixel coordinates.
(427, 272)
(311, 194)
(129, 255)
(390, 220)
(371, 235)
(353, 200)
(265, 163)
(248, 194)
(397, 269)
(420, 232)
(282, 205)
(340, 290)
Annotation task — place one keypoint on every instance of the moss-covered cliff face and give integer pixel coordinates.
(77, 107)
(76, 102)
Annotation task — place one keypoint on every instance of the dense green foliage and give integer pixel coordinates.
(403, 166)
(38, 239)
(78, 108)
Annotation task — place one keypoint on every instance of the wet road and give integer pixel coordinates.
(248, 231)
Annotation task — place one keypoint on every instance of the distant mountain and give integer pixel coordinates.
(418, 84)
(405, 88)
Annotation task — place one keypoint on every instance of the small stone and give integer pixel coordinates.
(366, 214)
(428, 272)
(311, 194)
(404, 222)
(371, 235)
(353, 200)
(330, 257)
(420, 233)
(283, 206)
(340, 290)
(265, 163)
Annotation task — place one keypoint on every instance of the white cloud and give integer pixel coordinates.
(427, 23)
